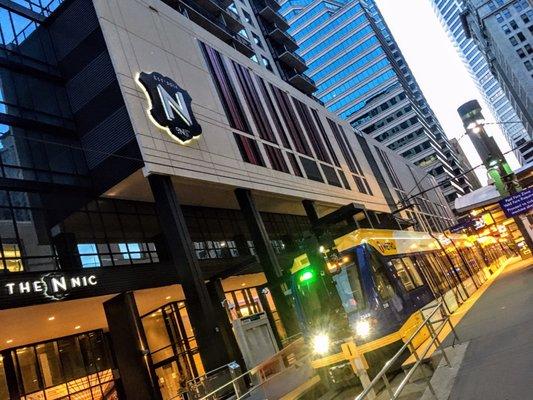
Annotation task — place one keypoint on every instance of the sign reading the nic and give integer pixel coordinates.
(519, 203)
(27, 288)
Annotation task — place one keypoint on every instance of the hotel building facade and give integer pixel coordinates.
(152, 180)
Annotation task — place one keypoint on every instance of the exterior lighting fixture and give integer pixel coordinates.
(77, 327)
(9, 341)
(51, 318)
(168, 297)
(322, 249)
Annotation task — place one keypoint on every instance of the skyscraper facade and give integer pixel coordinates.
(449, 13)
(361, 74)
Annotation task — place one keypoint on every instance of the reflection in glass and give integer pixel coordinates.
(4, 394)
(49, 363)
(71, 359)
(27, 364)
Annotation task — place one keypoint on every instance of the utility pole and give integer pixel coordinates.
(497, 167)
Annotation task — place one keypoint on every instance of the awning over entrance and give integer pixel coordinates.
(478, 198)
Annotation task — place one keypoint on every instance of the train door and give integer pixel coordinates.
(417, 291)
(433, 280)
(388, 302)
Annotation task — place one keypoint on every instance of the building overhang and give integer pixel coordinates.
(478, 198)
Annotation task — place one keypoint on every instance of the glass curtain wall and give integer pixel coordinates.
(69, 368)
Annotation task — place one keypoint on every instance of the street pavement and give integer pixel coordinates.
(498, 363)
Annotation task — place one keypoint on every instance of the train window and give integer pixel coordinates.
(413, 271)
(349, 287)
(383, 285)
(399, 266)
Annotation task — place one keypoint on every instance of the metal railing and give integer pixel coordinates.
(254, 382)
(434, 333)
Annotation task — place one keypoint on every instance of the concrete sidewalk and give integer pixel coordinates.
(498, 363)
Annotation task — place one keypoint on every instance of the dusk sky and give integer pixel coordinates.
(438, 69)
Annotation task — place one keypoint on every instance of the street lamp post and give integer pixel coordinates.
(497, 167)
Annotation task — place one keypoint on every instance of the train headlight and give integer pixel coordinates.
(321, 343)
(362, 328)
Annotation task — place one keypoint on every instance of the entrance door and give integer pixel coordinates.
(171, 382)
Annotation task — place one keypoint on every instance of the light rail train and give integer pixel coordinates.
(374, 281)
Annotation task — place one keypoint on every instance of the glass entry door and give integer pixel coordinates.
(171, 381)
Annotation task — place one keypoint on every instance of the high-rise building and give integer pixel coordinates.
(152, 172)
(361, 75)
(509, 19)
(465, 164)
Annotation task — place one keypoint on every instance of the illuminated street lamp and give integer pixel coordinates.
(497, 167)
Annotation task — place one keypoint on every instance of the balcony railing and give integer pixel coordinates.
(302, 82)
(279, 34)
(213, 23)
(291, 59)
(270, 14)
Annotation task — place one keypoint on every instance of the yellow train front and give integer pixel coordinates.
(377, 281)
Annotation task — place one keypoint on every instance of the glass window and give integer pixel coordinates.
(157, 336)
(130, 251)
(27, 364)
(413, 271)
(257, 40)
(383, 286)
(247, 17)
(94, 351)
(88, 255)
(348, 284)
(49, 363)
(71, 359)
(403, 274)
(4, 395)
(266, 63)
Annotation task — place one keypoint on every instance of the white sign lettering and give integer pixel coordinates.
(53, 286)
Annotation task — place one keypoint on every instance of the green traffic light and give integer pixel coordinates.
(307, 275)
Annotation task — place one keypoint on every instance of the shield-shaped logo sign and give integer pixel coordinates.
(170, 106)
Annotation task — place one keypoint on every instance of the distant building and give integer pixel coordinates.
(361, 75)
(465, 164)
(503, 33)
(449, 13)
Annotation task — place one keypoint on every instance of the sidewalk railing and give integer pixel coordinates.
(258, 381)
(438, 315)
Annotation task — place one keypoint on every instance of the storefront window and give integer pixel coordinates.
(71, 360)
(49, 363)
(244, 302)
(4, 394)
(27, 364)
(72, 368)
(173, 347)
(157, 336)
